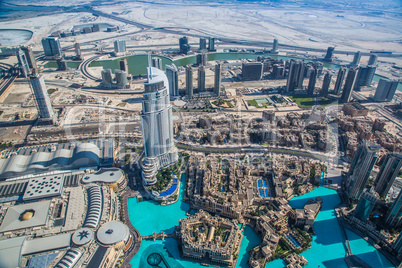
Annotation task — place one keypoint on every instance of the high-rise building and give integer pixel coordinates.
(211, 44)
(360, 168)
(124, 65)
(394, 215)
(121, 78)
(107, 79)
(189, 81)
(61, 64)
(29, 56)
(364, 76)
(184, 46)
(157, 126)
(51, 47)
(202, 59)
(372, 59)
(312, 81)
(217, 84)
(356, 59)
(339, 80)
(295, 76)
(77, 50)
(330, 53)
(252, 71)
(41, 97)
(325, 84)
(388, 172)
(275, 47)
(366, 204)
(278, 71)
(23, 63)
(157, 63)
(397, 246)
(119, 46)
(173, 79)
(203, 43)
(349, 84)
(201, 79)
(386, 90)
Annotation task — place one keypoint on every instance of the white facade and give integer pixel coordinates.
(42, 97)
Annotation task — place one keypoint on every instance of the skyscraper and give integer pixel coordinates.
(107, 79)
(328, 56)
(364, 76)
(30, 56)
(202, 59)
(388, 172)
(173, 79)
(360, 168)
(121, 79)
(325, 84)
(157, 126)
(157, 63)
(41, 97)
(356, 59)
(211, 44)
(339, 80)
(184, 46)
(119, 46)
(252, 71)
(275, 47)
(201, 79)
(366, 204)
(189, 81)
(372, 59)
(124, 65)
(394, 215)
(397, 246)
(312, 81)
(349, 84)
(296, 76)
(203, 43)
(386, 90)
(77, 50)
(51, 46)
(217, 84)
(23, 63)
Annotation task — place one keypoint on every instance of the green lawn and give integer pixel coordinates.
(257, 105)
(304, 101)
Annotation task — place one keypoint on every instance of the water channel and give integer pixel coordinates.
(327, 248)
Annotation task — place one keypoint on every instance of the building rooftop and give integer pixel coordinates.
(43, 187)
(106, 175)
(15, 219)
(112, 233)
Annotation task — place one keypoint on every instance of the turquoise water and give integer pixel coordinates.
(148, 217)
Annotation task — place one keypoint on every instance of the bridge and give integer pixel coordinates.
(159, 236)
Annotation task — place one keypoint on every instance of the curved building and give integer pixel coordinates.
(157, 125)
(114, 177)
(95, 202)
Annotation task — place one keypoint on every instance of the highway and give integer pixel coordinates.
(84, 67)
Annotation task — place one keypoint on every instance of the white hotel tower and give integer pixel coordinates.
(157, 126)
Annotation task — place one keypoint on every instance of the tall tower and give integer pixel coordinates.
(157, 63)
(77, 50)
(325, 84)
(30, 56)
(349, 84)
(386, 90)
(397, 246)
(203, 43)
(173, 79)
(119, 46)
(201, 79)
(211, 44)
(296, 76)
(366, 204)
(360, 168)
(157, 126)
(339, 80)
(124, 65)
(121, 78)
(388, 172)
(328, 56)
(41, 97)
(394, 216)
(312, 81)
(23, 63)
(51, 46)
(184, 46)
(217, 84)
(275, 47)
(107, 79)
(189, 81)
(372, 59)
(356, 59)
(364, 76)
